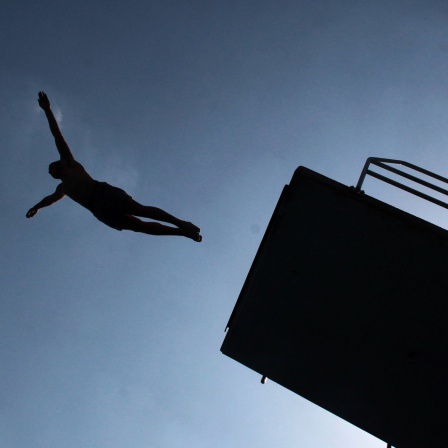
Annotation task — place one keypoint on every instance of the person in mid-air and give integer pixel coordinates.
(109, 204)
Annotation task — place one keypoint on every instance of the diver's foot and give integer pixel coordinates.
(194, 236)
(190, 227)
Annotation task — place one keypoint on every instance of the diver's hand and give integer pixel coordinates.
(43, 101)
(31, 212)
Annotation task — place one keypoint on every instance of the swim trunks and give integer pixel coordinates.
(108, 204)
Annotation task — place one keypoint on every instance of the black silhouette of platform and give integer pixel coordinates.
(346, 304)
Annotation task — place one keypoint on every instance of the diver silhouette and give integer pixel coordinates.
(109, 204)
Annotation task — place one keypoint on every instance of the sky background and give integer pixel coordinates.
(203, 108)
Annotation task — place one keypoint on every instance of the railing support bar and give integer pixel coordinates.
(408, 189)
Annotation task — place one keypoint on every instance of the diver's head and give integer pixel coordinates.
(55, 169)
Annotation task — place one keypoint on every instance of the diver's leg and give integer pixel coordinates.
(146, 211)
(154, 228)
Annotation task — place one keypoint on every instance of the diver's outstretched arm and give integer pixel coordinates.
(64, 150)
(46, 201)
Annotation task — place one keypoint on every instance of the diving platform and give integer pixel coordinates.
(346, 304)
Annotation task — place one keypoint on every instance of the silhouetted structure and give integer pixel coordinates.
(346, 304)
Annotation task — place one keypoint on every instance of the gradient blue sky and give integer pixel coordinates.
(204, 108)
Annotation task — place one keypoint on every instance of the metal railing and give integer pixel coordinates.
(384, 163)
